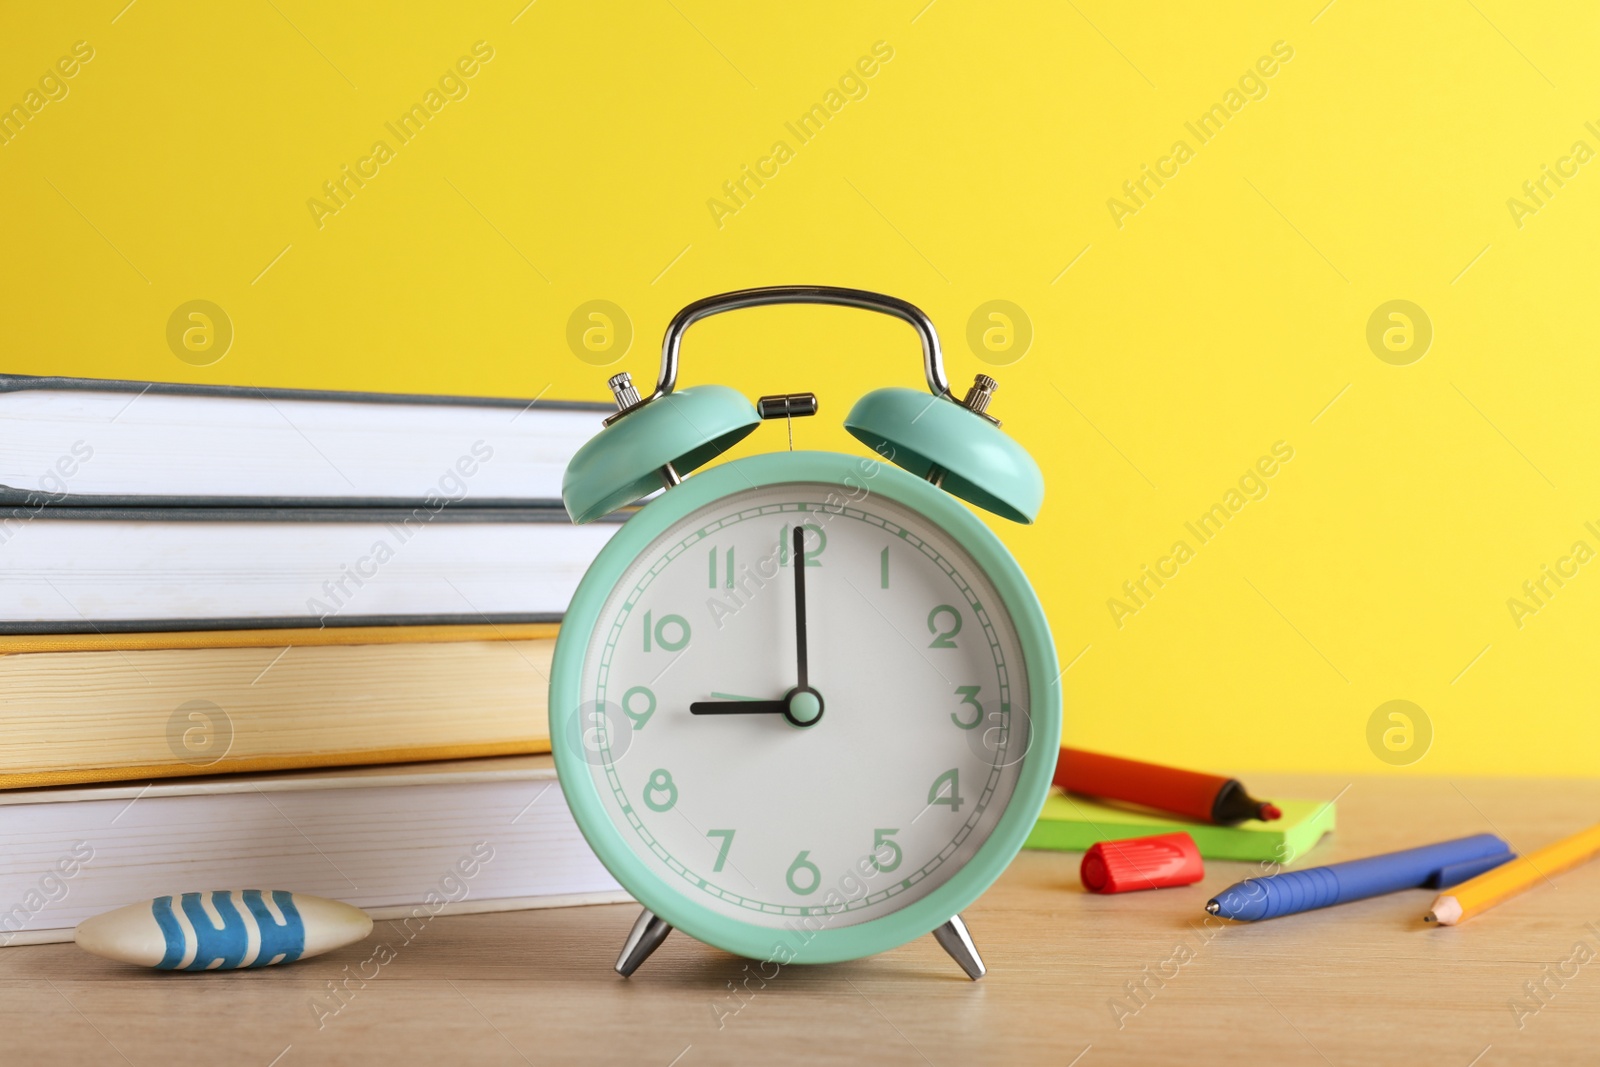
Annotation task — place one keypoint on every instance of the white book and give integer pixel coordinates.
(402, 842)
(93, 570)
(93, 442)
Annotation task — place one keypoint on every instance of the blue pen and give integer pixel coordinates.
(1431, 866)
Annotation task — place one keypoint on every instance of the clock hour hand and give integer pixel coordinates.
(802, 707)
(738, 707)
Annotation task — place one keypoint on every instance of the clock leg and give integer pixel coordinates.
(646, 936)
(954, 939)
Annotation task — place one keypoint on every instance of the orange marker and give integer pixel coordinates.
(1206, 797)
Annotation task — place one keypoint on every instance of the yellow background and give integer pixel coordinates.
(1224, 316)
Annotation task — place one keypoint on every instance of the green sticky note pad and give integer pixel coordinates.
(1072, 824)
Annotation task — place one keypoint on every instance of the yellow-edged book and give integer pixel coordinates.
(85, 708)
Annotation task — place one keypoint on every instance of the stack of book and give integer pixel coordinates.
(282, 639)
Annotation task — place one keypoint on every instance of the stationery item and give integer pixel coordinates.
(1072, 824)
(1430, 866)
(83, 441)
(100, 570)
(223, 930)
(107, 707)
(406, 842)
(1134, 863)
(1206, 797)
(1525, 872)
(788, 584)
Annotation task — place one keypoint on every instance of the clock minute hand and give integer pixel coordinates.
(738, 707)
(800, 604)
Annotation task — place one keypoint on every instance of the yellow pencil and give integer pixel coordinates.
(1506, 881)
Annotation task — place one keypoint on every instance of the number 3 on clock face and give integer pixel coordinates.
(805, 766)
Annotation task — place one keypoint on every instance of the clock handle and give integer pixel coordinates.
(866, 300)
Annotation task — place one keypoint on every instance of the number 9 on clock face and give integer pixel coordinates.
(823, 760)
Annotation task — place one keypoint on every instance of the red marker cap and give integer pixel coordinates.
(1141, 863)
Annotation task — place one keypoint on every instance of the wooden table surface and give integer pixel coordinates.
(1365, 983)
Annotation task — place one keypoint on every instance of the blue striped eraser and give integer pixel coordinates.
(225, 929)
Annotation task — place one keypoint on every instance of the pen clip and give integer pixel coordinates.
(1456, 873)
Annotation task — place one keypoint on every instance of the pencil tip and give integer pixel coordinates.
(1429, 918)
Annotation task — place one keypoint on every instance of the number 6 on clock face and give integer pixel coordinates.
(800, 649)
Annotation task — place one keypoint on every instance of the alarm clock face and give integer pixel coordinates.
(832, 805)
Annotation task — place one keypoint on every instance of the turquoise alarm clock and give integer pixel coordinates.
(804, 706)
